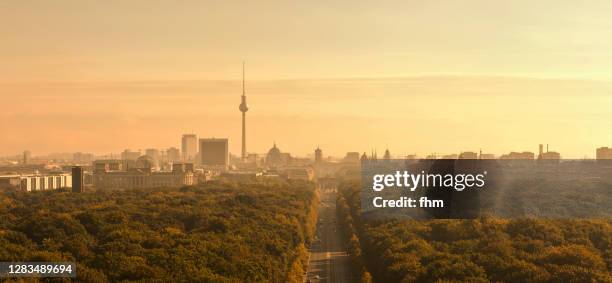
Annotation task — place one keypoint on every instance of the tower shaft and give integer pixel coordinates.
(243, 108)
(243, 136)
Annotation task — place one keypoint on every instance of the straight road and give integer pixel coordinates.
(329, 261)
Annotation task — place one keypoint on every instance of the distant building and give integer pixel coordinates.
(450, 156)
(276, 158)
(351, 157)
(387, 155)
(364, 157)
(82, 158)
(27, 156)
(189, 147)
(214, 152)
(173, 154)
(153, 153)
(273, 158)
(525, 155)
(548, 155)
(318, 156)
(603, 153)
(306, 174)
(551, 155)
(181, 167)
(106, 165)
(37, 182)
(253, 158)
(241, 176)
(130, 155)
(140, 175)
(468, 155)
(487, 156)
(10, 181)
(77, 179)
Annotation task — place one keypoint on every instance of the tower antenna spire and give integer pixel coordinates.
(243, 91)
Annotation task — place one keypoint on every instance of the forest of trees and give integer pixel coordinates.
(219, 232)
(350, 235)
(479, 250)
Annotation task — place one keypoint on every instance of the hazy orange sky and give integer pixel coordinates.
(416, 76)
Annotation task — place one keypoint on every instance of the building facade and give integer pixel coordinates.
(603, 153)
(173, 154)
(77, 179)
(37, 182)
(141, 175)
(214, 152)
(189, 147)
(130, 155)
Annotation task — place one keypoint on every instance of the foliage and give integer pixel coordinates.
(353, 245)
(481, 250)
(219, 232)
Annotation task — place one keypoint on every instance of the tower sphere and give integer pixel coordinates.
(244, 107)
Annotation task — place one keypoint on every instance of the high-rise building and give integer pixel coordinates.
(189, 147)
(153, 153)
(77, 179)
(214, 152)
(27, 155)
(130, 155)
(173, 154)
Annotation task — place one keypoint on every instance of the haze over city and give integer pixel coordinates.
(306, 141)
(423, 78)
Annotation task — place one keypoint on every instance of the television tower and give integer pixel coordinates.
(243, 108)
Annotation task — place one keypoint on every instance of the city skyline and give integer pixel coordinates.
(174, 154)
(457, 120)
(416, 77)
(306, 141)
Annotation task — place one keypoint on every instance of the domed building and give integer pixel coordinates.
(144, 163)
(387, 155)
(274, 157)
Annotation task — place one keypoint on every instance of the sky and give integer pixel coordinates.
(412, 76)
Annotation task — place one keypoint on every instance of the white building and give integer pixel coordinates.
(37, 182)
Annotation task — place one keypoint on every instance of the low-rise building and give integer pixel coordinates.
(140, 175)
(603, 153)
(525, 155)
(468, 155)
(300, 173)
(37, 182)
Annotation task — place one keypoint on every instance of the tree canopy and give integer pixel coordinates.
(220, 232)
(477, 250)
